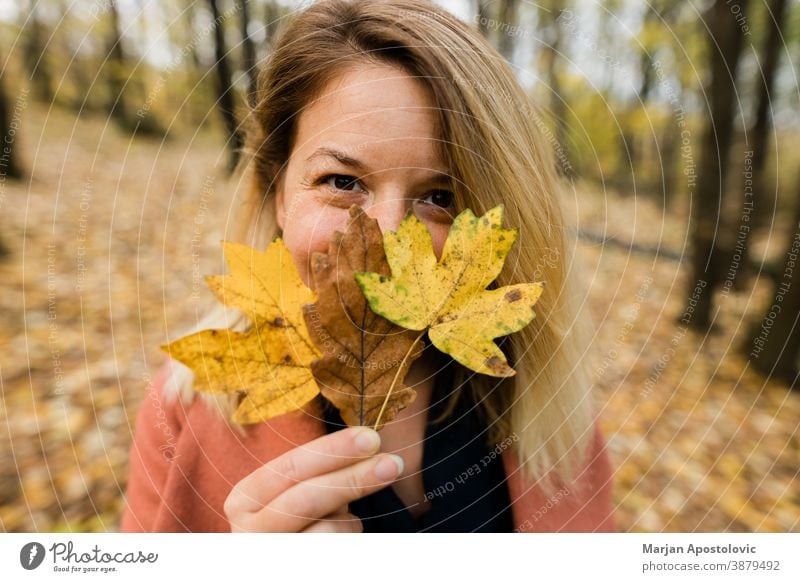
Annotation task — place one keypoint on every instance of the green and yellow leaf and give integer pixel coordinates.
(449, 296)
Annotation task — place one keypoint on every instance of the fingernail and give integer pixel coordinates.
(389, 467)
(367, 440)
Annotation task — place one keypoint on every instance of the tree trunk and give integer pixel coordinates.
(774, 344)
(707, 267)
(33, 49)
(754, 203)
(661, 14)
(117, 106)
(550, 29)
(248, 51)
(9, 164)
(670, 140)
(508, 28)
(195, 112)
(272, 20)
(225, 90)
(484, 15)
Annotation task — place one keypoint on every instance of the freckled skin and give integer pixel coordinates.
(384, 118)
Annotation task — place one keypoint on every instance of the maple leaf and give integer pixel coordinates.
(364, 354)
(270, 363)
(449, 297)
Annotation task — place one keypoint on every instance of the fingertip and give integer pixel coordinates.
(366, 439)
(389, 467)
(398, 460)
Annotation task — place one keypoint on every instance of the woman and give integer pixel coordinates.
(395, 106)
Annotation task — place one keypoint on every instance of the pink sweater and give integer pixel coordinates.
(184, 461)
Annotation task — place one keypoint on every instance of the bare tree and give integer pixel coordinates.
(248, 49)
(484, 15)
(724, 48)
(774, 342)
(508, 28)
(757, 138)
(551, 46)
(658, 13)
(116, 67)
(225, 91)
(9, 162)
(34, 53)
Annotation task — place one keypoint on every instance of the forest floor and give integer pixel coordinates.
(107, 245)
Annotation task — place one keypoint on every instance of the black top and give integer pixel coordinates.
(467, 489)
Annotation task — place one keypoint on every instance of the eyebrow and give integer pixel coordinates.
(358, 165)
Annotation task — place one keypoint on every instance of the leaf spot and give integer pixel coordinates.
(494, 363)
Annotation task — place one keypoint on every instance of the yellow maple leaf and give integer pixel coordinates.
(449, 296)
(271, 362)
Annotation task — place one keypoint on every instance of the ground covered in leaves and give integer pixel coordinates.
(107, 244)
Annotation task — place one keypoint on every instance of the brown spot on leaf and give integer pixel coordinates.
(514, 295)
(494, 363)
(278, 322)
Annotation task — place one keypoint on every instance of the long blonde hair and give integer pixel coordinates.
(497, 154)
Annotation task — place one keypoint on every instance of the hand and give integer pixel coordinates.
(308, 488)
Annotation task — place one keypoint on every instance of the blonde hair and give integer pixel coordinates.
(497, 154)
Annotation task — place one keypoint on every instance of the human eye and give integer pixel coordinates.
(341, 182)
(437, 206)
(442, 198)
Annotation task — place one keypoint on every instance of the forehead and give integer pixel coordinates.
(376, 111)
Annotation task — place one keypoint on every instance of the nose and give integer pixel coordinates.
(389, 213)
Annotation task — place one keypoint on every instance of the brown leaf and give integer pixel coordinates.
(362, 351)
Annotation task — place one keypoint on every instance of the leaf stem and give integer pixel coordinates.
(394, 381)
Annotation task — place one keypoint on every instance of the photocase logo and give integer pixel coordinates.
(31, 555)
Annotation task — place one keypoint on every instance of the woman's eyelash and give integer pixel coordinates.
(447, 193)
(349, 180)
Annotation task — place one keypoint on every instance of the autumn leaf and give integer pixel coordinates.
(363, 353)
(449, 297)
(270, 363)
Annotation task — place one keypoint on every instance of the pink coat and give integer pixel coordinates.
(184, 461)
